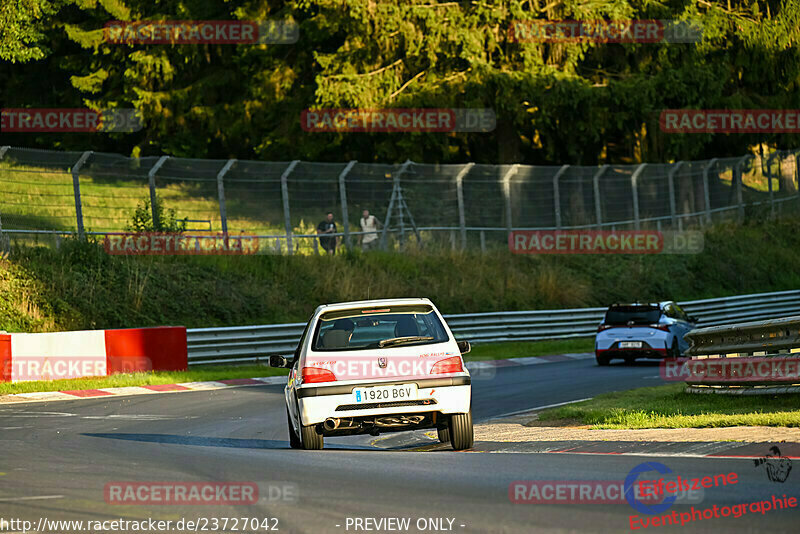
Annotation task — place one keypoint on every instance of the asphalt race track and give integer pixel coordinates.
(58, 457)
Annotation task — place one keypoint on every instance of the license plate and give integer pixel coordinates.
(630, 344)
(385, 393)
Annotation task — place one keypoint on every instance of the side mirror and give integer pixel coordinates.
(276, 360)
(464, 346)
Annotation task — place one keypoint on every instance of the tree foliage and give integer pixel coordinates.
(580, 103)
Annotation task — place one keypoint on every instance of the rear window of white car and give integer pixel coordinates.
(378, 327)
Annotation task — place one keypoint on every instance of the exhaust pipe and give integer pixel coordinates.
(331, 423)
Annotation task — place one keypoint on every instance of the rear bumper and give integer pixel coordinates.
(654, 342)
(443, 395)
(644, 352)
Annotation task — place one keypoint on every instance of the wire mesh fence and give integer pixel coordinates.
(49, 193)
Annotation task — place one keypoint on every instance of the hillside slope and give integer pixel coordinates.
(80, 286)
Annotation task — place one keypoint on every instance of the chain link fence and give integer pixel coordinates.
(46, 194)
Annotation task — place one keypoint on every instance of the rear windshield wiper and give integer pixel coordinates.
(407, 339)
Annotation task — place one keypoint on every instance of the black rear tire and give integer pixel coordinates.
(310, 438)
(444, 434)
(294, 441)
(675, 351)
(602, 360)
(461, 434)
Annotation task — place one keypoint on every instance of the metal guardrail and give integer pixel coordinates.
(254, 343)
(759, 343)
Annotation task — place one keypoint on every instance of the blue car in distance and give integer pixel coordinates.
(631, 331)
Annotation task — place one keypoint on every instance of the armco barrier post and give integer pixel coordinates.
(738, 176)
(343, 198)
(223, 213)
(706, 192)
(797, 173)
(557, 195)
(76, 188)
(598, 209)
(462, 218)
(671, 184)
(507, 196)
(796, 154)
(287, 219)
(151, 179)
(635, 194)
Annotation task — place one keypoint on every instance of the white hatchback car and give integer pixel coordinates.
(377, 366)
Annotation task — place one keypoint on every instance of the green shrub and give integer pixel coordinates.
(166, 221)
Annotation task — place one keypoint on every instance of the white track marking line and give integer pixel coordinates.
(44, 395)
(128, 390)
(141, 417)
(203, 385)
(273, 379)
(9, 413)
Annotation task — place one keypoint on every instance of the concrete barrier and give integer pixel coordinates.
(5, 357)
(62, 355)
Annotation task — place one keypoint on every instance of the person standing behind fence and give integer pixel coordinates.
(370, 224)
(327, 227)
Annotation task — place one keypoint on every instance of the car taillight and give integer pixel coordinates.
(315, 374)
(448, 365)
(663, 327)
(603, 327)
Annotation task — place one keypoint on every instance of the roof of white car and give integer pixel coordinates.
(380, 302)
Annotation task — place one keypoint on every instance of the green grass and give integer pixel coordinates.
(522, 349)
(43, 199)
(669, 407)
(198, 373)
(82, 287)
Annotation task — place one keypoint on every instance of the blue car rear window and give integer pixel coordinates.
(632, 314)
